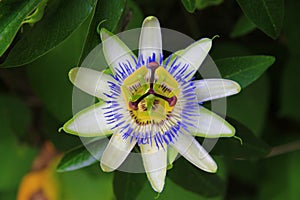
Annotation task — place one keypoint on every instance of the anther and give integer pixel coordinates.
(133, 105)
(172, 101)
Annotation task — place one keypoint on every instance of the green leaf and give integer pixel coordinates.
(244, 70)
(48, 75)
(12, 14)
(127, 186)
(238, 168)
(201, 4)
(267, 15)
(190, 5)
(107, 15)
(253, 101)
(80, 156)
(229, 49)
(242, 27)
(61, 18)
(250, 147)
(133, 16)
(195, 180)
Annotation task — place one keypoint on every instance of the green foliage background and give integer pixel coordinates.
(258, 47)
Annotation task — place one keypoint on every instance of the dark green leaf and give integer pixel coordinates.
(250, 148)
(127, 186)
(229, 49)
(190, 5)
(133, 16)
(201, 4)
(80, 157)
(253, 101)
(60, 20)
(49, 75)
(111, 12)
(266, 14)
(195, 180)
(238, 168)
(12, 14)
(244, 70)
(242, 27)
(107, 15)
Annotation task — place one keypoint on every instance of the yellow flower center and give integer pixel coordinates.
(150, 94)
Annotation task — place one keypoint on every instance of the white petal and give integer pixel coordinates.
(155, 163)
(187, 146)
(209, 89)
(116, 152)
(211, 125)
(89, 122)
(193, 56)
(150, 39)
(91, 81)
(115, 51)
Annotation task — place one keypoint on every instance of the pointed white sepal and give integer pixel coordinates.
(150, 39)
(211, 125)
(155, 163)
(89, 122)
(116, 152)
(115, 51)
(91, 81)
(189, 148)
(210, 89)
(193, 56)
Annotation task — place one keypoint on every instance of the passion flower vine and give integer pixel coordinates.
(151, 102)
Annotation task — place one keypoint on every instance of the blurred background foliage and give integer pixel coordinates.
(41, 40)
